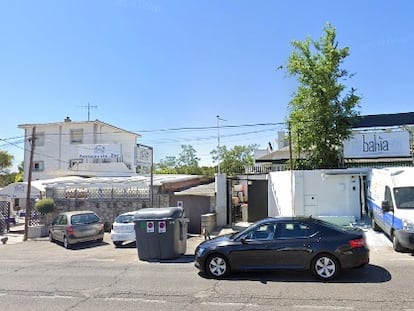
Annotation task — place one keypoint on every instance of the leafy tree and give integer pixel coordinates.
(321, 113)
(166, 166)
(187, 162)
(19, 176)
(234, 160)
(45, 206)
(6, 160)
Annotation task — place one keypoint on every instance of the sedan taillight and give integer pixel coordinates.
(357, 243)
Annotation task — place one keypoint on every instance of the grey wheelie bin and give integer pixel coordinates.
(161, 233)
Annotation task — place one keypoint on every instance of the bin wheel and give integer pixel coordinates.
(117, 243)
(217, 266)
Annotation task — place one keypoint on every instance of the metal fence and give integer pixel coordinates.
(4, 216)
(99, 194)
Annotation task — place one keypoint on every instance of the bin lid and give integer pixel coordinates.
(152, 213)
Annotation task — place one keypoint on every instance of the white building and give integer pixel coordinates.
(87, 148)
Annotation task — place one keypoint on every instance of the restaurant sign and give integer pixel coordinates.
(101, 151)
(378, 145)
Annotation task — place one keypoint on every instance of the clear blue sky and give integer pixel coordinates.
(153, 65)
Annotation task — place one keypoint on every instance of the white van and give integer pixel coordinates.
(390, 200)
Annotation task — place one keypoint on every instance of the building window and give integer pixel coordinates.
(75, 162)
(40, 139)
(76, 136)
(38, 166)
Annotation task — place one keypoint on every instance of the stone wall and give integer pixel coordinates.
(109, 210)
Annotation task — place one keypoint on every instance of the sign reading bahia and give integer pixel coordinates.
(378, 145)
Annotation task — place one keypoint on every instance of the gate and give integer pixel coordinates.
(4, 216)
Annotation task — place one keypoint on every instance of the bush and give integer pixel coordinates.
(45, 206)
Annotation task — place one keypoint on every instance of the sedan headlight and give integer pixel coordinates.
(407, 224)
(200, 251)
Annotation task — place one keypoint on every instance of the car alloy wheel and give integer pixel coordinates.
(66, 242)
(325, 267)
(217, 266)
(51, 239)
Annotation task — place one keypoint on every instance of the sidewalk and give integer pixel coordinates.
(15, 235)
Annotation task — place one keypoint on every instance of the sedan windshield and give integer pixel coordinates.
(404, 197)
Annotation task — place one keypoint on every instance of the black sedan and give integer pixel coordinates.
(296, 243)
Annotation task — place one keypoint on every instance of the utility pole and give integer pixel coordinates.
(218, 142)
(290, 147)
(27, 217)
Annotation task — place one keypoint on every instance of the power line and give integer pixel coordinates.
(209, 127)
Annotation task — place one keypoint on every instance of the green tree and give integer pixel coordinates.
(233, 161)
(166, 166)
(19, 176)
(321, 112)
(45, 206)
(6, 161)
(187, 162)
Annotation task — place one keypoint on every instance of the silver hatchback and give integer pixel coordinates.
(75, 227)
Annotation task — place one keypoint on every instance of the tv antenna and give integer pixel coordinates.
(89, 107)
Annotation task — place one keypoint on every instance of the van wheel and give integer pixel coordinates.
(396, 244)
(374, 224)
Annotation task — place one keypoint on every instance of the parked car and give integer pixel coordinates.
(76, 227)
(123, 229)
(296, 243)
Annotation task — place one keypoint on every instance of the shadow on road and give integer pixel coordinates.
(84, 245)
(182, 259)
(368, 274)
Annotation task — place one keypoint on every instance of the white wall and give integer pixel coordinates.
(280, 194)
(221, 199)
(316, 193)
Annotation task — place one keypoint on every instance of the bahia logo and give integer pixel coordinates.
(377, 144)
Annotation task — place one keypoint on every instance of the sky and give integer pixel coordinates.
(186, 72)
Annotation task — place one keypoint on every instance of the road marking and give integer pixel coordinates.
(224, 304)
(55, 297)
(323, 307)
(135, 299)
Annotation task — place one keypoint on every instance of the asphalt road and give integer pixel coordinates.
(39, 275)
